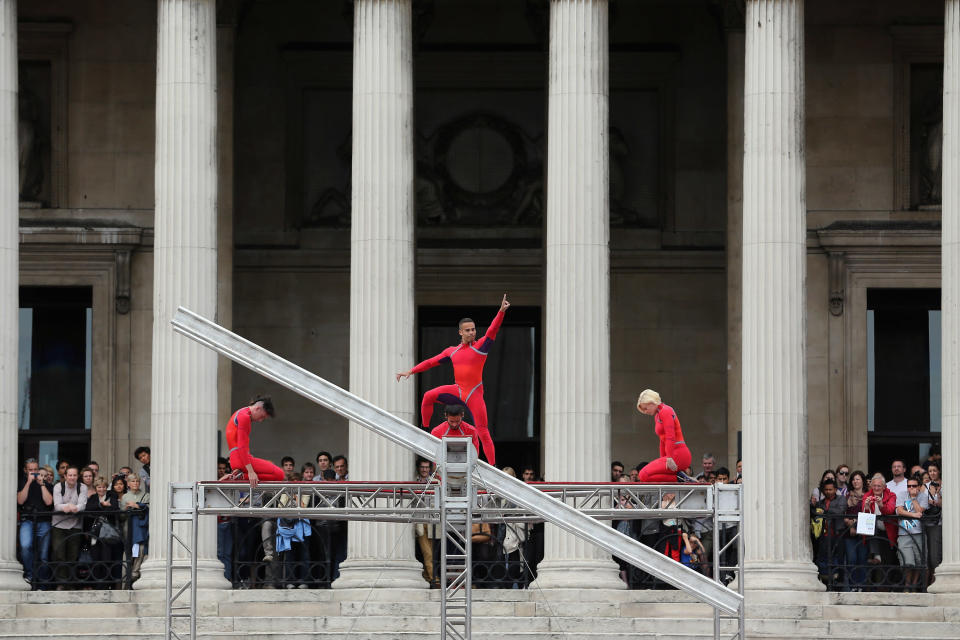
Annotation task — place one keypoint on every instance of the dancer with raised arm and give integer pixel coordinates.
(674, 454)
(467, 359)
(238, 439)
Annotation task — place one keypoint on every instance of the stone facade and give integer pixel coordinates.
(676, 210)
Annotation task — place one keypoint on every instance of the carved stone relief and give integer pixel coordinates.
(480, 169)
(480, 154)
(33, 131)
(926, 133)
(917, 107)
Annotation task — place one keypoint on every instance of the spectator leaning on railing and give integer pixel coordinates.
(910, 534)
(34, 498)
(854, 547)
(69, 499)
(102, 507)
(830, 507)
(135, 501)
(932, 520)
(882, 502)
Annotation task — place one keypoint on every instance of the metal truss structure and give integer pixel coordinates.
(572, 507)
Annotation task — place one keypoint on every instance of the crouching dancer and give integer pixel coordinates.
(238, 439)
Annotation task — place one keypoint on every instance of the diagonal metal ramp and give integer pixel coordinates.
(389, 426)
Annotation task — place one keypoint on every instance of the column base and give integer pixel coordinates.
(380, 574)
(578, 574)
(781, 576)
(947, 579)
(11, 577)
(153, 575)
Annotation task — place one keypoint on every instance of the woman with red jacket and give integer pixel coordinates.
(882, 502)
(674, 454)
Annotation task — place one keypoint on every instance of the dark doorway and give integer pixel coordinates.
(55, 374)
(903, 377)
(511, 376)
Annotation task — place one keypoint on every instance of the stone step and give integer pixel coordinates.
(419, 626)
(786, 628)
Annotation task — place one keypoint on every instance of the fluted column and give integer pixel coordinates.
(183, 427)
(948, 573)
(577, 395)
(382, 310)
(774, 301)
(10, 570)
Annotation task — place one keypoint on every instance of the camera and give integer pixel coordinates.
(934, 484)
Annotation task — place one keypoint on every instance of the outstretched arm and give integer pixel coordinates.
(494, 327)
(429, 363)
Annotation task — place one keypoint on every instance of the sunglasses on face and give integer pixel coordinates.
(844, 473)
(913, 486)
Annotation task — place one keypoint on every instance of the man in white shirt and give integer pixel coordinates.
(69, 499)
(899, 483)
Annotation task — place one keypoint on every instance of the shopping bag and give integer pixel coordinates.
(866, 523)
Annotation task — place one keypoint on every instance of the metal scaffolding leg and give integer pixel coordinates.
(728, 510)
(182, 501)
(457, 497)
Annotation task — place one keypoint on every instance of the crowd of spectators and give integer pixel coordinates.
(878, 534)
(78, 527)
(504, 555)
(687, 540)
(274, 553)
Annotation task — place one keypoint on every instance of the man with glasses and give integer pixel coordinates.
(843, 475)
(910, 534)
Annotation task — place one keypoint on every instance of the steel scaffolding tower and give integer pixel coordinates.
(457, 497)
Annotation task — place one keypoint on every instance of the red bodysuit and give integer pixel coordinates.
(671, 446)
(463, 430)
(238, 439)
(467, 361)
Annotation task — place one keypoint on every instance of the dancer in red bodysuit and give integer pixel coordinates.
(468, 359)
(674, 454)
(238, 439)
(456, 426)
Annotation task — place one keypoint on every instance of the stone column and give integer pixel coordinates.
(10, 570)
(735, 45)
(948, 573)
(577, 395)
(774, 301)
(183, 427)
(382, 312)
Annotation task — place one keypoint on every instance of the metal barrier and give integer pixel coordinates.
(850, 562)
(78, 558)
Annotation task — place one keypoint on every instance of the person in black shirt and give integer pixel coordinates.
(106, 555)
(34, 499)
